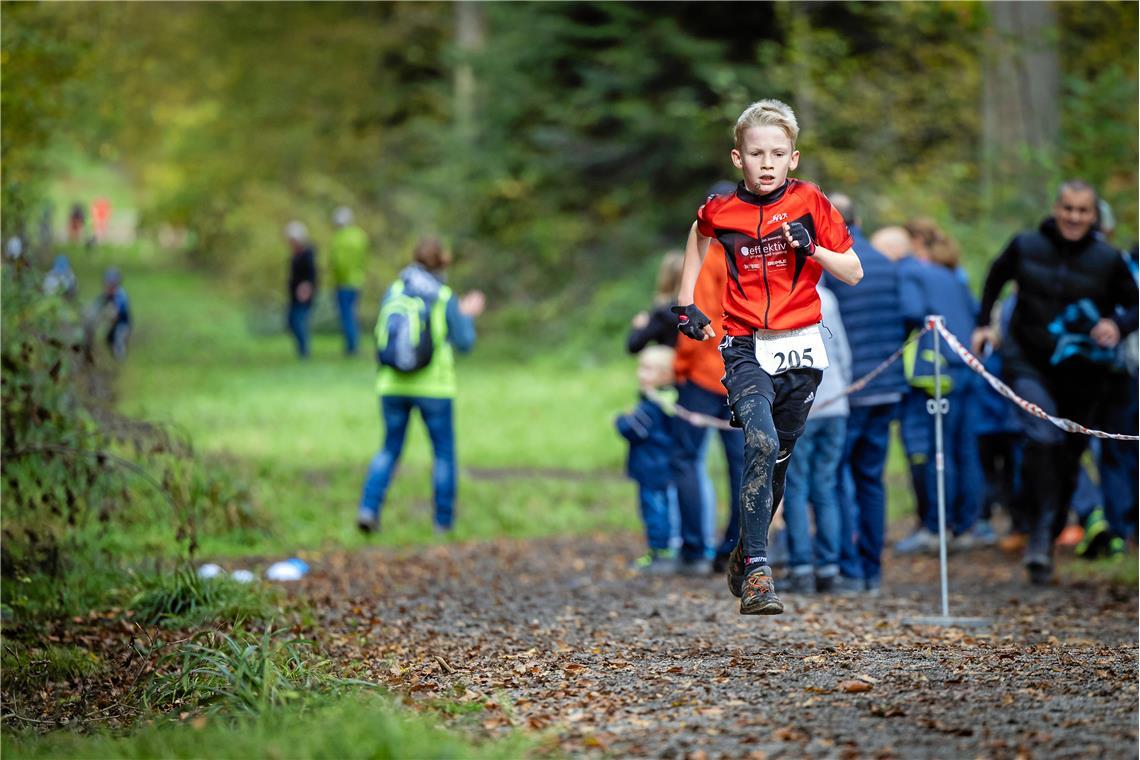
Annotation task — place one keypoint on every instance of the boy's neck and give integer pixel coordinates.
(746, 195)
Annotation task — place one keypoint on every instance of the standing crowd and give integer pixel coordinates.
(1063, 337)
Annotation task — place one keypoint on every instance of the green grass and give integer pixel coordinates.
(355, 725)
(27, 666)
(300, 435)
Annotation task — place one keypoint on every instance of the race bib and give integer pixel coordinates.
(781, 350)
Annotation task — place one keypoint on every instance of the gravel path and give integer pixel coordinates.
(558, 637)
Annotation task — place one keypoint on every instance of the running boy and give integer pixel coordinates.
(779, 236)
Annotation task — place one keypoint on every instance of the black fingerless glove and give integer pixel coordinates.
(691, 321)
(802, 238)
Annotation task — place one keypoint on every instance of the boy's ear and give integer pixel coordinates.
(795, 160)
(737, 159)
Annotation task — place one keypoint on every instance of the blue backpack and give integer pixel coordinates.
(404, 331)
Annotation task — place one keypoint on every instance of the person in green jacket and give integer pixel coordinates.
(348, 252)
(422, 322)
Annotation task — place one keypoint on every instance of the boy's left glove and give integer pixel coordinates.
(691, 321)
(799, 237)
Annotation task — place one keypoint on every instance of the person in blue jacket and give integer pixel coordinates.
(872, 317)
(936, 288)
(648, 429)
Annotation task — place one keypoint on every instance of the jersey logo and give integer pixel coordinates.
(777, 218)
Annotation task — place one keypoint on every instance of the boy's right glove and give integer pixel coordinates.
(691, 321)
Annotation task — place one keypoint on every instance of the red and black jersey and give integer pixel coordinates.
(771, 285)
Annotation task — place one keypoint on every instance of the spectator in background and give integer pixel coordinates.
(112, 309)
(450, 321)
(699, 370)
(935, 288)
(872, 317)
(348, 253)
(815, 465)
(1060, 267)
(100, 218)
(892, 242)
(648, 429)
(1106, 531)
(659, 326)
(60, 280)
(1001, 440)
(302, 284)
(76, 223)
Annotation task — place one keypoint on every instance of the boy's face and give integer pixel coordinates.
(654, 374)
(765, 157)
(1075, 212)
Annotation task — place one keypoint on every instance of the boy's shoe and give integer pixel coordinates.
(873, 587)
(1040, 569)
(1116, 548)
(734, 571)
(759, 594)
(825, 584)
(921, 541)
(367, 521)
(1097, 537)
(656, 562)
(800, 583)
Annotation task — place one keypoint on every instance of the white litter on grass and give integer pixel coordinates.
(292, 569)
(210, 570)
(243, 576)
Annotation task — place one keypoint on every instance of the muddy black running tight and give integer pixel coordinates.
(766, 460)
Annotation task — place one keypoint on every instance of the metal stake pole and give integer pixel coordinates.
(940, 407)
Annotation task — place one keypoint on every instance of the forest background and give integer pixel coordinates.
(560, 148)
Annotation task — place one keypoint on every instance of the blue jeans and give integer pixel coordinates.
(436, 414)
(917, 433)
(346, 307)
(688, 442)
(298, 321)
(812, 476)
(655, 504)
(863, 499)
(963, 477)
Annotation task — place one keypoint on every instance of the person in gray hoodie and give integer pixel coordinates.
(813, 471)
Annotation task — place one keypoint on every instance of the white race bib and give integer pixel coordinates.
(781, 350)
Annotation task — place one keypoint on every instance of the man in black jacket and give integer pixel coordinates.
(1058, 265)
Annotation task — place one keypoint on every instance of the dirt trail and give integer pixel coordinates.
(558, 636)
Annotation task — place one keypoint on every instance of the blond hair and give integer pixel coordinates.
(938, 246)
(768, 113)
(669, 277)
(658, 357)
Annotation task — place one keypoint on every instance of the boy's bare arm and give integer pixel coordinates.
(845, 266)
(695, 249)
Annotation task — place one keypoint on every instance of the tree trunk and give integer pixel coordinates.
(1020, 107)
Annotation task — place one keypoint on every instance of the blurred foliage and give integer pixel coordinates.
(73, 471)
(596, 127)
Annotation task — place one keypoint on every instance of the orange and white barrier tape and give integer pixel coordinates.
(973, 363)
